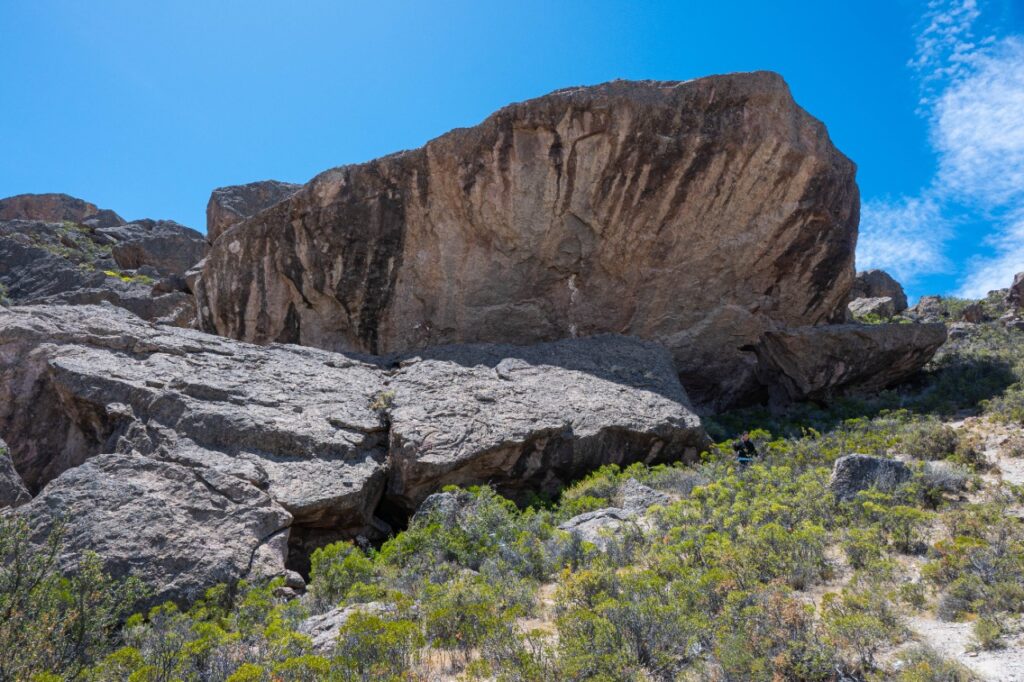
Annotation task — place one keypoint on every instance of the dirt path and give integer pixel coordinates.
(954, 640)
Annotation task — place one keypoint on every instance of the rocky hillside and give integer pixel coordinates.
(584, 280)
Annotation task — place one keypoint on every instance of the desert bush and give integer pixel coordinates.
(335, 569)
(923, 664)
(987, 633)
(49, 621)
(371, 647)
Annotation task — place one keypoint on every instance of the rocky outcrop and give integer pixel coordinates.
(879, 284)
(928, 309)
(853, 473)
(57, 208)
(697, 214)
(12, 489)
(882, 307)
(164, 245)
(333, 441)
(96, 260)
(533, 418)
(820, 362)
(179, 528)
(231, 205)
(598, 527)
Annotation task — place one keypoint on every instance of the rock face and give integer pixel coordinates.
(534, 418)
(12, 490)
(97, 405)
(879, 284)
(180, 528)
(880, 307)
(231, 205)
(819, 362)
(1015, 296)
(94, 260)
(324, 628)
(928, 309)
(56, 208)
(853, 473)
(697, 214)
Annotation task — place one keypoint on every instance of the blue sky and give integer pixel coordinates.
(144, 107)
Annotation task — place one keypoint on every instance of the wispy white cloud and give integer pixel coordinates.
(973, 98)
(904, 237)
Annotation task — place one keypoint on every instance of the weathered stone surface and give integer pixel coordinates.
(1015, 295)
(599, 526)
(164, 245)
(698, 214)
(853, 473)
(78, 381)
(56, 208)
(77, 263)
(634, 496)
(928, 309)
(531, 418)
(819, 362)
(879, 284)
(881, 307)
(974, 313)
(12, 490)
(324, 629)
(181, 529)
(231, 205)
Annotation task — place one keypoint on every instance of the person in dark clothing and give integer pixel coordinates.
(746, 451)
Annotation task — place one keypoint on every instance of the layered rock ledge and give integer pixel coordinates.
(112, 421)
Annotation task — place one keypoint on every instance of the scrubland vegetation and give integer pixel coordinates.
(756, 574)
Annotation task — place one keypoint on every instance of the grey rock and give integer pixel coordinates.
(181, 529)
(879, 284)
(634, 496)
(882, 307)
(324, 628)
(532, 418)
(231, 205)
(820, 362)
(697, 214)
(164, 245)
(599, 526)
(13, 492)
(78, 381)
(853, 473)
(928, 309)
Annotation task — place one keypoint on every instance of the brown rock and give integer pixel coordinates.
(1015, 296)
(698, 214)
(231, 205)
(56, 208)
(819, 362)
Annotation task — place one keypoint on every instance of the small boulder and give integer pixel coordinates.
(879, 284)
(164, 245)
(974, 313)
(882, 307)
(853, 473)
(928, 309)
(598, 526)
(634, 496)
(324, 628)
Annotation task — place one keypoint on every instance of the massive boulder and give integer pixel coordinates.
(181, 529)
(57, 208)
(89, 258)
(879, 284)
(532, 418)
(339, 444)
(231, 205)
(820, 362)
(1015, 294)
(698, 214)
